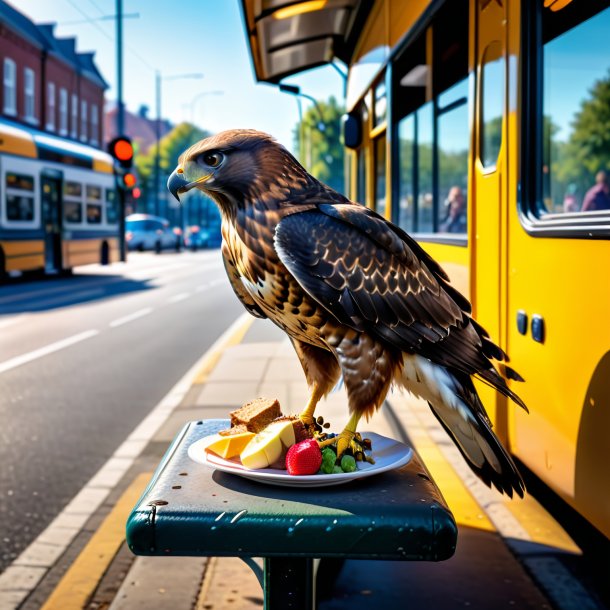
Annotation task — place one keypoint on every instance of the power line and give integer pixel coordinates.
(89, 20)
(94, 23)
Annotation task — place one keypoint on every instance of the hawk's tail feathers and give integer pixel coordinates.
(455, 403)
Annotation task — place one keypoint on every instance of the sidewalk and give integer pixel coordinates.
(500, 545)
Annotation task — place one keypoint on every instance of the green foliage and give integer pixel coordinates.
(171, 146)
(321, 150)
(572, 164)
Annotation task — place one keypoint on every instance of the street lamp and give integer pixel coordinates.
(159, 80)
(198, 97)
(296, 91)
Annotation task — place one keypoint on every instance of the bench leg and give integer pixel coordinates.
(289, 583)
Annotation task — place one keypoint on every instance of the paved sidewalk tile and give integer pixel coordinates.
(230, 584)
(161, 583)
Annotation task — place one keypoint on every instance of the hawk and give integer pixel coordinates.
(358, 297)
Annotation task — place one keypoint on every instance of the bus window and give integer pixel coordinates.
(380, 104)
(575, 109)
(73, 205)
(19, 182)
(112, 213)
(94, 204)
(425, 154)
(94, 213)
(380, 179)
(94, 193)
(453, 143)
(19, 207)
(406, 142)
(19, 197)
(361, 177)
(430, 94)
(492, 83)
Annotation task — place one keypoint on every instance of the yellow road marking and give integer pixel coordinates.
(79, 582)
(213, 356)
(541, 526)
(466, 510)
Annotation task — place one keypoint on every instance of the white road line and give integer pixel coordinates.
(7, 365)
(130, 317)
(179, 297)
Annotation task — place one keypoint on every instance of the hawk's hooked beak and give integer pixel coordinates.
(178, 184)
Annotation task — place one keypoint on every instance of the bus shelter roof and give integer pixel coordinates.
(286, 37)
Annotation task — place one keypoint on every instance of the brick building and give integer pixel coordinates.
(141, 129)
(45, 83)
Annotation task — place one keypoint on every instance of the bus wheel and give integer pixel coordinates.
(105, 254)
(158, 247)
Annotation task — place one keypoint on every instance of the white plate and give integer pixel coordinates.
(387, 453)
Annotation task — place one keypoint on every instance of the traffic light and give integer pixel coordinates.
(121, 150)
(129, 180)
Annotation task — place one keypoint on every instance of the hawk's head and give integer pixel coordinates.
(237, 166)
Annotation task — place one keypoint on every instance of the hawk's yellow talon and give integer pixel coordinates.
(307, 419)
(342, 440)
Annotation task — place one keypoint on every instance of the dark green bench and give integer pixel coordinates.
(189, 509)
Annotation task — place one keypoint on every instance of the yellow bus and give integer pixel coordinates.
(481, 128)
(58, 203)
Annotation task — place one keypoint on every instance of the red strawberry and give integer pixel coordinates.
(304, 458)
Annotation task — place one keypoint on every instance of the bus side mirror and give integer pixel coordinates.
(352, 130)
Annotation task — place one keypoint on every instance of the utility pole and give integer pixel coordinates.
(120, 120)
(158, 139)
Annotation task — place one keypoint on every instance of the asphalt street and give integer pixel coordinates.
(83, 360)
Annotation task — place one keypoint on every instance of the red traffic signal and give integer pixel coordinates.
(121, 149)
(129, 180)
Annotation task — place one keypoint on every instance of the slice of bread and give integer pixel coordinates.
(257, 414)
(239, 429)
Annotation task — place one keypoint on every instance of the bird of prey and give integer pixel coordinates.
(358, 297)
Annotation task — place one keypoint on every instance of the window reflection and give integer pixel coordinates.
(576, 112)
(406, 139)
(493, 103)
(425, 195)
(380, 181)
(452, 142)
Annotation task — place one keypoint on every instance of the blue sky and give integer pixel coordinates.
(180, 37)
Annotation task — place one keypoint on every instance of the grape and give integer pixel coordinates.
(348, 463)
(337, 469)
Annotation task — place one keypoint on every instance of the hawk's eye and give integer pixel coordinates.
(213, 159)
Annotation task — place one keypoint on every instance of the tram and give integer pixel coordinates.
(480, 127)
(59, 204)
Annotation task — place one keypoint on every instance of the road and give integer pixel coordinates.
(83, 360)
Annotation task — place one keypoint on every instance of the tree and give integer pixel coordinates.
(171, 146)
(321, 142)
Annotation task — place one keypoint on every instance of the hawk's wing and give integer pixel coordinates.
(373, 277)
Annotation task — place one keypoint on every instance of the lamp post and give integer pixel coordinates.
(158, 81)
(296, 91)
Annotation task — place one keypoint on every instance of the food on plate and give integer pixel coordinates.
(348, 463)
(268, 448)
(304, 457)
(257, 414)
(260, 436)
(230, 446)
(239, 429)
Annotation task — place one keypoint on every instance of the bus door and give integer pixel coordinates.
(51, 209)
(489, 183)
